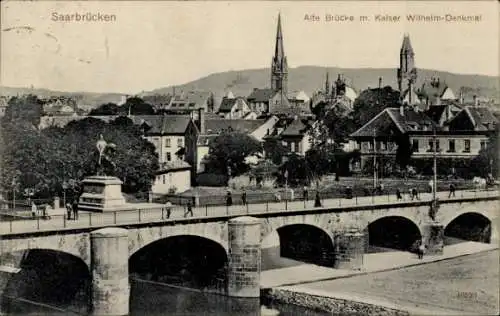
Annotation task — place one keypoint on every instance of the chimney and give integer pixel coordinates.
(402, 110)
(201, 120)
(380, 82)
(476, 100)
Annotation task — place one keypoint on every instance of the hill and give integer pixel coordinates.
(312, 78)
(86, 100)
(307, 78)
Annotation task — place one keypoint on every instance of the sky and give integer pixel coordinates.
(153, 44)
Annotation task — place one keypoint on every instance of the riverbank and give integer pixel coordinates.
(453, 285)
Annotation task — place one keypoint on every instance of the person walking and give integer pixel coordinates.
(398, 195)
(317, 200)
(229, 199)
(305, 194)
(189, 209)
(33, 209)
(75, 209)
(421, 250)
(69, 210)
(244, 197)
(452, 190)
(168, 210)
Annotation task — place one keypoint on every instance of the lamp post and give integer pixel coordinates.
(434, 181)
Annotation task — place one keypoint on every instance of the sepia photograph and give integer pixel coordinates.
(246, 158)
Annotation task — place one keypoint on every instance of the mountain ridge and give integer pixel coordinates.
(306, 78)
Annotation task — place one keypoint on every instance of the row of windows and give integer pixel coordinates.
(451, 145)
(168, 142)
(294, 146)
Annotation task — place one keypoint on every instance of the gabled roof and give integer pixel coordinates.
(216, 126)
(261, 95)
(228, 103)
(164, 124)
(158, 100)
(190, 100)
(482, 118)
(296, 128)
(410, 121)
(432, 91)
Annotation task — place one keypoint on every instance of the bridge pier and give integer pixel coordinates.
(109, 264)
(349, 249)
(244, 257)
(433, 237)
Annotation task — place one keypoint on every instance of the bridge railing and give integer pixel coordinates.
(10, 225)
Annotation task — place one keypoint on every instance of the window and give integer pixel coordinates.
(284, 143)
(451, 146)
(163, 179)
(483, 145)
(169, 156)
(466, 145)
(431, 145)
(415, 145)
(180, 142)
(167, 142)
(292, 147)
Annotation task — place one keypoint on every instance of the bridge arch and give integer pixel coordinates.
(47, 276)
(187, 260)
(392, 232)
(304, 242)
(141, 237)
(472, 226)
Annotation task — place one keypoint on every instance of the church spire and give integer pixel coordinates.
(327, 83)
(407, 72)
(279, 66)
(279, 51)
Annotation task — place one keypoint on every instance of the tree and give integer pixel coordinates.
(487, 161)
(370, 102)
(227, 152)
(274, 149)
(137, 106)
(105, 109)
(296, 169)
(46, 160)
(404, 151)
(27, 108)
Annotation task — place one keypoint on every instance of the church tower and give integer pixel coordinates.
(407, 73)
(279, 65)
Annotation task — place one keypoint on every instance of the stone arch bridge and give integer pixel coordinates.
(108, 252)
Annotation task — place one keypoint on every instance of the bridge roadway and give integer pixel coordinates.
(152, 213)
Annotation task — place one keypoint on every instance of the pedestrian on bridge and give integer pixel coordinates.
(189, 209)
(75, 209)
(305, 194)
(398, 194)
(244, 197)
(452, 190)
(69, 210)
(33, 209)
(317, 200)
(229, 199)
(168, 209)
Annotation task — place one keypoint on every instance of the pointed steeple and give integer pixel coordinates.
(279, 65)
(406, 46)
(279, 51)
(327, 84)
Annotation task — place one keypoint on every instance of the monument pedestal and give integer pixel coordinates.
(102, 194)
(433, 235)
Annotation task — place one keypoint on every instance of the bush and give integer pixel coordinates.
(211, 179)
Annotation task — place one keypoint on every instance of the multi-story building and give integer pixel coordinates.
(462, 135)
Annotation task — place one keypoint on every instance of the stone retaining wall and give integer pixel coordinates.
(335, 305)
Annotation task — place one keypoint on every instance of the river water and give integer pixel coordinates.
(155, 299)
